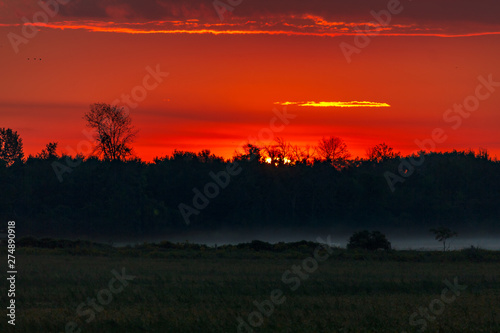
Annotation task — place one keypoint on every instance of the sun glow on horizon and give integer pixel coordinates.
(286, 160)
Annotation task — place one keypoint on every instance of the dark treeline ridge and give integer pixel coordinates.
(111, 198)
(253, 250)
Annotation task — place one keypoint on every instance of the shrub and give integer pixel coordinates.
(258, 245)
(371, 241)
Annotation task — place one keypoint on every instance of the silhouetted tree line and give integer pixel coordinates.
(458, 189)
(112, 192)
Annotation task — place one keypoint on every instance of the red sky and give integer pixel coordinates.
(223, 85)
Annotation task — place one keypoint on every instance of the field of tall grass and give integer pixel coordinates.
(199, 289)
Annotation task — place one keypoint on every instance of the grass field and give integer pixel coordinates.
(206, 290)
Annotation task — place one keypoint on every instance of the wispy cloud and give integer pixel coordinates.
(351, 104)
(293, 25)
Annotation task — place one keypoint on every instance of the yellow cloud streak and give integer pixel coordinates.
(352, 104)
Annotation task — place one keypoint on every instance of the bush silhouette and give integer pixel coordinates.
(258, 245)
(371, 241)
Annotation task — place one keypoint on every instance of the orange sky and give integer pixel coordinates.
(223, 88)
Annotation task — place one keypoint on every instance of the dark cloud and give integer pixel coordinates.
(455, 16)
(139, 9)
(485, 11)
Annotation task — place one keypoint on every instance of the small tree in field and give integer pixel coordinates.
(371, 241)
(442, 234)
(114, 131)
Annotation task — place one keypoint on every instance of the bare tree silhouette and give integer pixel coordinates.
(381, 152)
(334, 151)
(114, 131)
(278, 153)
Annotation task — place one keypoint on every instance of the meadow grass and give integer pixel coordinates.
(180, 291)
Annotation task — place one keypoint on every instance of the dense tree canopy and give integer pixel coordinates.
(458, 189)
(49, 152)
(278, 185)
(11, 146)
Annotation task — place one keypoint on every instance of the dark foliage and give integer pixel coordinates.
(133, 198)
(302, 249)
(11, 146)
(371, 241)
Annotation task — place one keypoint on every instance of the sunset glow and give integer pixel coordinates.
(250, 165)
